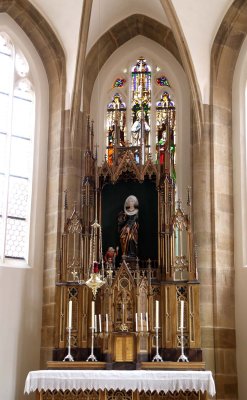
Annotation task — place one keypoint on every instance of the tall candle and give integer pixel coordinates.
(106, 323)
(157, 314)
(92, 316)
(141, 323)
(100, 326)
(147, 321)
(182, 314)
(95, 323)
(70, 314)
(136, 323)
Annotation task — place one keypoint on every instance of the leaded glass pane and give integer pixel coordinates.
(22, 117)
(15, 238)
(16, 130)
(18, 197)
(141, 102)
(119, 83)
(4, 116)
(162, 81)
(20, 159)
(116, 125)
(5, 73)
(21, 65)
(23, 89)
(165, 132)
(5, 44)
(3, 151)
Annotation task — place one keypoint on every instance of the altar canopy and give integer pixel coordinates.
(121, 380)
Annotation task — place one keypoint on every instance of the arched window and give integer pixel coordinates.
(23, 169)
(147, 120)
(17, 112)
(165, 132)
(116, 124)
(167, 75)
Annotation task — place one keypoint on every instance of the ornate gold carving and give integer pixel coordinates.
(169, 396)
(70, 395)
(119, 395)
(127, 163)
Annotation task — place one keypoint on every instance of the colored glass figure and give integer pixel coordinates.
(162, 81)
(110, 151)
(165, 132)
(119, 83)
(116, 125)
(141, 101)
(163, 145)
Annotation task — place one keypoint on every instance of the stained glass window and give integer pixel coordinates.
(141, 102)
(162, 81)
(16, 145)
(145, 125)
(165, 132)
(119, 83)
(116, 125)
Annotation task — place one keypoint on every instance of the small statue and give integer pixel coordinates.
(128, 227)
(110, 256)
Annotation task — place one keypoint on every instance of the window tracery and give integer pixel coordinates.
(146, 122)
(16, 147)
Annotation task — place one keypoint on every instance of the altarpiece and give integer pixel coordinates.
(127, 287)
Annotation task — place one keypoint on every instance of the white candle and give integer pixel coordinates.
(106, 323)
(95, 323)
(92, 316)
(136, 323)
(100, 326)
(141, 323)
(182, 314)
(147, 321)
(157, 314)
(70, 314)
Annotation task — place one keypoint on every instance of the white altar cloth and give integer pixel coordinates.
(146, 380)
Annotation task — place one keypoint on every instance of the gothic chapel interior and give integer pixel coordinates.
(123, 223)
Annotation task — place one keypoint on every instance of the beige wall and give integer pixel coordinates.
(20, 310)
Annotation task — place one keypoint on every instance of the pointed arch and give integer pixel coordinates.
(115, 37)
(44, 40)
(224, 55)
(41, 35)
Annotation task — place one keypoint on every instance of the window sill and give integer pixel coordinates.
(11, 263)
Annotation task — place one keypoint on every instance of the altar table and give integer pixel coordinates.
(136, 381)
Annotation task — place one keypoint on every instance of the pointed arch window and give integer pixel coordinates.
(141, 102)
(165, 132)
(147, 121)
(116, 125)
(17, 111)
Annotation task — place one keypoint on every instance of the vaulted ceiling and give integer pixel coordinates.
(199, 21)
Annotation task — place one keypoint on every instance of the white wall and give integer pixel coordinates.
(21, 285)
(240, 214)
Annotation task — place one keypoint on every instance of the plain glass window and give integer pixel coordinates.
(17, 113)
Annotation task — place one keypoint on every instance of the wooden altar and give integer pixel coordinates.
(127, 286)
(130, 292)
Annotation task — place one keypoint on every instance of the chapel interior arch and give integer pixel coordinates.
(226, 93)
